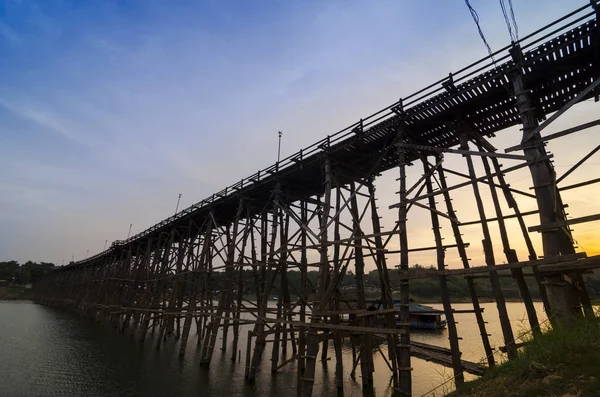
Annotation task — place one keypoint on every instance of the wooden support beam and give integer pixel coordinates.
(461, 246)
(460, 185)
(420, 249)
(574, 167)
(404, 352)
(567, 260)
(444, 291)
(566, 222)
(580, 184)
(562, 110)
(491, 183)
(434, 149)
(557, 134)
(436, 212)
(511, 216)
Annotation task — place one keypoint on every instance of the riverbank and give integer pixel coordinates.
(563, 362)
(15, 293)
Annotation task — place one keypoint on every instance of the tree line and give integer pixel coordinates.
(13, 273)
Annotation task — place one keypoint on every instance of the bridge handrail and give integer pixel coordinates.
(410, 100)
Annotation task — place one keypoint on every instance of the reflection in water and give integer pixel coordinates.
(45, 352)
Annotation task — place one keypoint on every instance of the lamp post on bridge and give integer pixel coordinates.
(129, 233)
(177, 207)
(279, 147)
(105, 242)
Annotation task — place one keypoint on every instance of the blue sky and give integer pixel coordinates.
(109, 109)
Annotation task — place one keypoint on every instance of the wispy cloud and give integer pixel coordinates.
(44, 118)
(9, 34)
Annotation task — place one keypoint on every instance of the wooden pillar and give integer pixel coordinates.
(151, 287)
(555, 241)
(465, 261)
(283, 231)
(512, 203)
(365, 339)
(459, 378)
(511, 254)
(240, 286)
(404, 348)
(489, 257)
(259, 327)
(196, 267)
(312, 338)
(386, 292)
(226, 294)
(335, 319)
(303, 295)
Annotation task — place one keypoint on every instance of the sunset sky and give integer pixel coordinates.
(110, 109)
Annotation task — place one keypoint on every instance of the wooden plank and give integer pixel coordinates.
(567, 222)
(420, 249)
(446, 360)
(376, 312)
(592, 262)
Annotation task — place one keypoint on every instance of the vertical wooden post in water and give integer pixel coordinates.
(511, 254)
(312, 337)
(404, 351)
(459, 378)
(465, 261)
(554, 241)
(512, 203)
(489, 256)
(335, 319)
(303, 295)
(386, 292)
(365, 340)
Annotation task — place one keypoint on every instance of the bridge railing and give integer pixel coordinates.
(484, 64)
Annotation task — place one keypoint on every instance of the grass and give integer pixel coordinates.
(563, 361)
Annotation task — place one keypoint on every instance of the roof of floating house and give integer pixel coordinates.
(413, 307)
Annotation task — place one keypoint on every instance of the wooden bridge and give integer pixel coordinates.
(317, 210)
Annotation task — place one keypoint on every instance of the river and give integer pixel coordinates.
(47, 352)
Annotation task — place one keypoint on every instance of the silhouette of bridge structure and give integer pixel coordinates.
(317, 210)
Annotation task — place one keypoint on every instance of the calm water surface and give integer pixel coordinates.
(46, 352)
